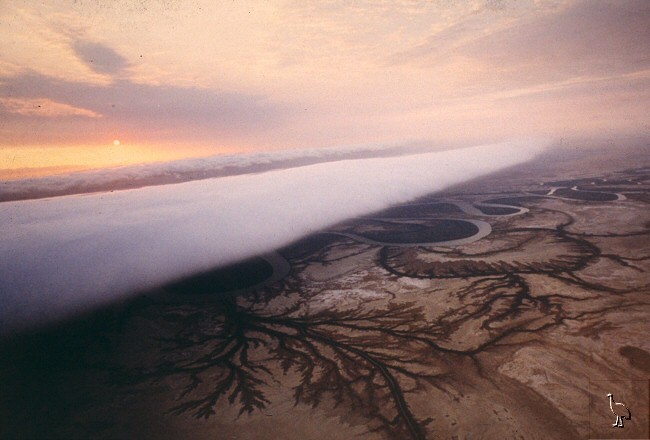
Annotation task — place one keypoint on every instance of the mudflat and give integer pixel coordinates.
(519, 334)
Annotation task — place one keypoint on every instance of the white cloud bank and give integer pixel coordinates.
(64, 255)
(183, 170)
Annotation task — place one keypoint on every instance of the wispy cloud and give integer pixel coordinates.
(150, 110)
(530, 45)
(99, 57)
(43, 107)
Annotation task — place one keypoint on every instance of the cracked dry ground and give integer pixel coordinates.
(520, 334)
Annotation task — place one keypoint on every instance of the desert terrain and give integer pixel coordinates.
(506, 307)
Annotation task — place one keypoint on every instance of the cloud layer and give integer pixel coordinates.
(136, 176)
(68, 254)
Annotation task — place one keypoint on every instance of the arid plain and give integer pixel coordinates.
(507, 307)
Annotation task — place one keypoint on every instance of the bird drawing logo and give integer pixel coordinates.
(620, 411)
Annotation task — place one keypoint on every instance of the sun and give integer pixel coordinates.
(116, 142)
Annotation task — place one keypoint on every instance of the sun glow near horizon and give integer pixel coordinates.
(37, 160)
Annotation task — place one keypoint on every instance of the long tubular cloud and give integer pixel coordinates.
(69, 254)
(184, 170)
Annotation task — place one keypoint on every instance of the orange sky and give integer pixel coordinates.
(191, 78)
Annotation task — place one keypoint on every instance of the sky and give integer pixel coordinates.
(87, 84)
